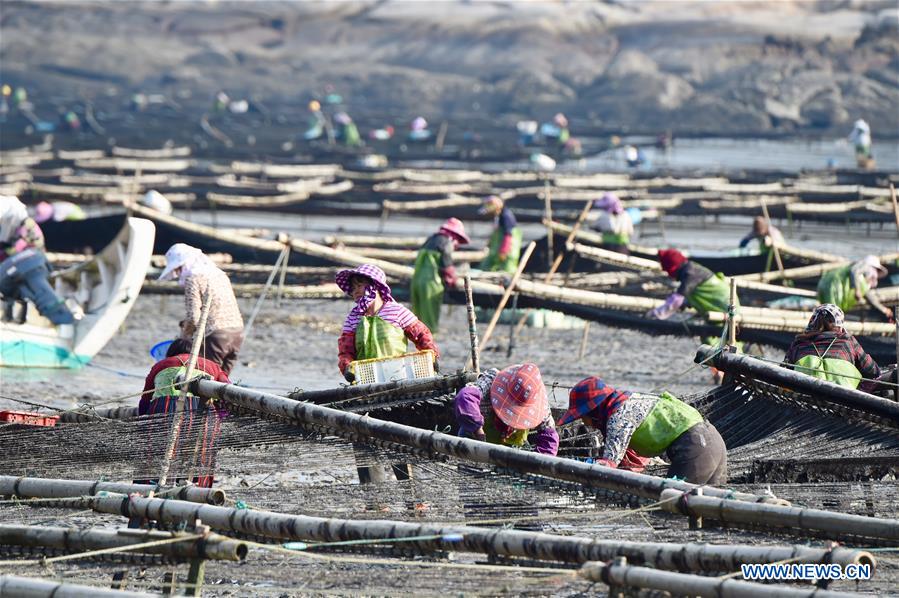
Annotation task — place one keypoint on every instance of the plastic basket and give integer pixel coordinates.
(159, 349)
(27, 418)
(410, 366)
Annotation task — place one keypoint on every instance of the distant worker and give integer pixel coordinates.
(767, 235)
(861, 139)
(634, 156)
(220, 104)
(826, 351)
(434, 271)
(24, 271)
(377, 326)
(849, 285)
(504, 248)
(418, 129)
(556, 132)
(382, 134)
(58, 211)
(614, 223)
(650, 425)
(71, 121)
(347, 132)
(699, 287)
(155, 200)
(503, 407)
(317, 122)
(204, 281)
(527, 131)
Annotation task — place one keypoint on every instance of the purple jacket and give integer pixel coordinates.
(468, 415)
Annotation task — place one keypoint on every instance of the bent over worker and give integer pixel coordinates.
(701, 289)
(504, 248)
(377, 326)
(849, 285)
(434, 271)
(502, 407)
(650, 425)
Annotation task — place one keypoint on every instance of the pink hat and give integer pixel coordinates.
(518, 397)
(43, 212)
(492, 204)
(455, 228)
(369, 271)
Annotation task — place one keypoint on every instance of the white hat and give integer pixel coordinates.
(177, 256)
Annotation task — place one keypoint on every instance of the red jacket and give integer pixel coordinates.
(203, 364)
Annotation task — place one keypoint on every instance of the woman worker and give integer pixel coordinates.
(434, 270)
(826, 351)
(699, 287)
(502, 407)
(203, 280)
(377, 326)
(650, 425)
(848, 285)
(614, 223)
(504, 248)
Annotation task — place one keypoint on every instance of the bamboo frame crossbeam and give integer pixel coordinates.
(796, 321)
(212, 546)
(430, 204)
(131, 164)
(445, 384)
(613, 258)
(30, 587)
(56, 488)
(354, 241)
(316, 291)
(152, 154)
(504, 542)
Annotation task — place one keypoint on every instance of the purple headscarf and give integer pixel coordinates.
(610, 203)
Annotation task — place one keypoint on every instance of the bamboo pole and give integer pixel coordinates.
(472, 327)
(508, 292)
(548, 216)
(895, 206)
(30, 587)
(583, 350)
(268, 283)
(441, 136)
(77, 416)
(734, 363)
(786, 321)
(353, 425)
(505, 542)
(732, 315)
(605, 256)
(73, 540)
(774, 247)
(896, 321)
(56, 488)
(744, 513)
(445, 384)
(618, 574)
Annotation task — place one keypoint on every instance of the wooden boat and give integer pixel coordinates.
(105, 288)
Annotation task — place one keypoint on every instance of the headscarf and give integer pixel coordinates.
(492, 205)
(760, 226)
(12, 214)
(594, 398)
(191, 260)
(610, 203)
(869, 267)
(671, 260)
(823, 313)
(377, 286)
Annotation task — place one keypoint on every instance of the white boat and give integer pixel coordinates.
(104, 288)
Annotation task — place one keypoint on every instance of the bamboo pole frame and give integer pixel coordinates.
(29, 587)
(56, 488)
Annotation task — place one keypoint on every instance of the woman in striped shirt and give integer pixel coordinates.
(377, 326)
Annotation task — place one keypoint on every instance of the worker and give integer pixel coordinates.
(160, 396)
(503, 407)
(767, 235)
(614, 223)
(434, 271)
(204, 281)
(527, 131)
(634, 156)
(377, 326)
(826, 351)
(383, 134)
(651, 425)
(505, 242)
(317, 122)
(347, 132)
(860, 136)
(699, 288)
(849, 285)
(58, 211)
(24, 270)
(418, 129)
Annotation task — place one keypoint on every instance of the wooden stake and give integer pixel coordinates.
(548, 215)
(896, 319)
(774, 248)
(284, 263)
(472, 327)
(731, 315)
(508, 293)
(441, 136)
(583, 350)
(895, 206)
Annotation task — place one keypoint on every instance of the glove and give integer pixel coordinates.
(349, 376)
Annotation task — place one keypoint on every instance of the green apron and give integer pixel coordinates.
(166, 382)
(838, 371)
(492, 263)
(665, 422)
(615, 239)
(712, 294)
(836, 287)
(351, 135)
(517, 438)
(376, 338)
(427, 288)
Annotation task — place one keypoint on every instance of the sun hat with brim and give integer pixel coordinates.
(369, 271)
(585, 397)
(178, 255)
(455, 228)
(518, 397)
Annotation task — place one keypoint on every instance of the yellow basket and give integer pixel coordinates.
(410, 366)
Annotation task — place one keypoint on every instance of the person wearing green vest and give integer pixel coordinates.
(701, 289)
(504, 249)
(614, 223)
(651, 426)
(503, 407)
(434, 271)
(377, 326)
(347, 132)
(849, 285)
(826, 351)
